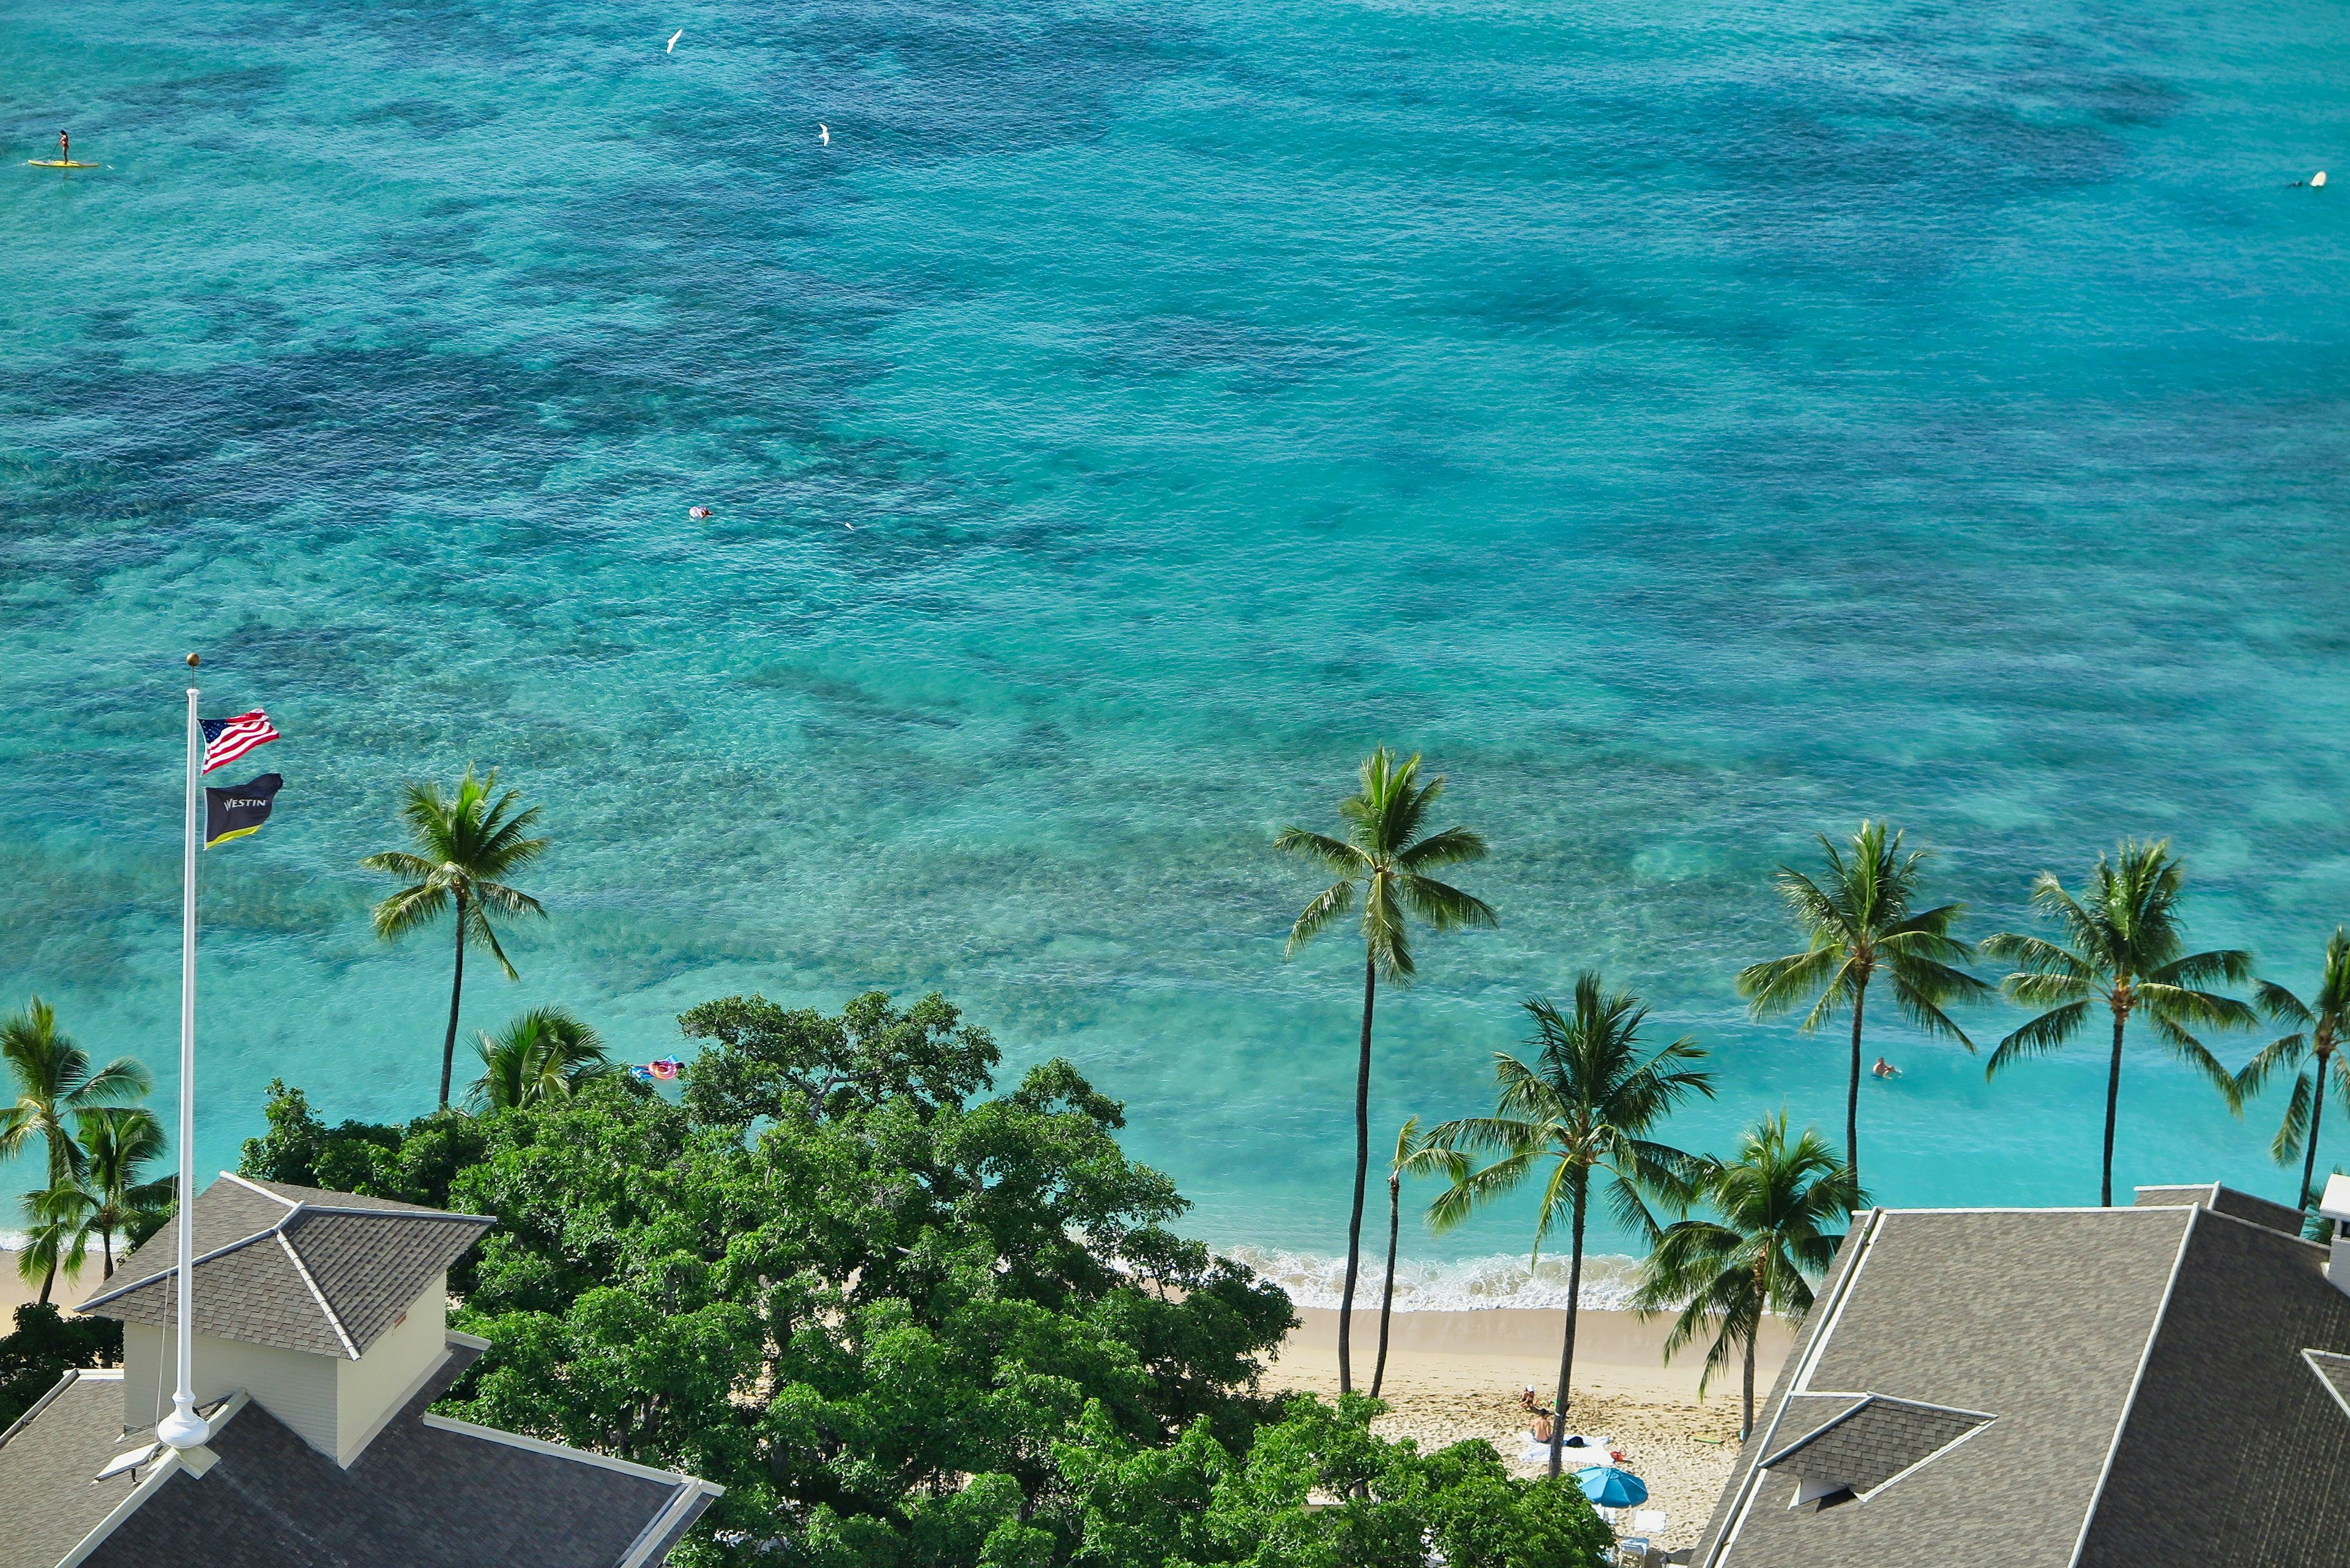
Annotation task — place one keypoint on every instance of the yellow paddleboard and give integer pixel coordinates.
(58, 164)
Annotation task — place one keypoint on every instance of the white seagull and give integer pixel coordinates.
(823, 133)
(673, 38)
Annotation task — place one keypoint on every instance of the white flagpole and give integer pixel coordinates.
(182, 1429)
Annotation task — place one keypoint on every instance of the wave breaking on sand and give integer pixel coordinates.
(1471, 1284)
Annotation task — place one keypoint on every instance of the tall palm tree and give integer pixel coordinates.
(1584, 1109)
(467, 844)
(1384, 862)
(1860, 919)
(2316, 1026)
(116, 1143)
(2126, 951)
(1414, 1156)
(1777, 1202)
(54, 1079)
(57, 1226)
(545, 1054)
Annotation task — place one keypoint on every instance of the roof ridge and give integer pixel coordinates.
(2137, 1379)
(171, 1269)
(333, 1318)
(251, 1185)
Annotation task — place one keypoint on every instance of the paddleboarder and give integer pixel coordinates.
(65, 148)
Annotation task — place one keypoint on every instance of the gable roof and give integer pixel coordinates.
(427, 1493)
(293, 1267)
(2106, 1355)
(1870, 1440)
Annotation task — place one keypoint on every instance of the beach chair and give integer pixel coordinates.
(1650, 1521)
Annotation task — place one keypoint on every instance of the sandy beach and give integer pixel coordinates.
(1453, 1375)
(15, 1291)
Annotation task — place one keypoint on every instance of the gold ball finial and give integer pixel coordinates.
(194, 660)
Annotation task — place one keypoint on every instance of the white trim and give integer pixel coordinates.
(658, 1528)
(470, 1341)
(255, 1187)
(165, 1469)
(2145, 1355)
(1862, 1238)
(71, 1376)
(557, 1450)
(2312, 1357)
(169, 1465)
(317, 1294)
(1984, 1425)
(375, 1427)
(2265, 1230)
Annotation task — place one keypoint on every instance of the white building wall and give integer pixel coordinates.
(371, 1388)
(294, 1386)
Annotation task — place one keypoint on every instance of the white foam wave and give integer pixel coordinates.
(1472, 1284)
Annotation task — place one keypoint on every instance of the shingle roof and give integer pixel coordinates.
(2333, 1372)
(293, 1267)
(1866, 1442)
(2144, 1367)
(426, 1493)
(48, 1481)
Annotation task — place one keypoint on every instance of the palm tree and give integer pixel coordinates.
(467, 843)
(2317, 1033)
(1585, 1108)
(1383, 860)
(1777, 1202)
(56, 1223)
(1859, 921)
(116, 1142)
(545, 1054)
(2125, 952)
(54, 1080)
(1414, 1156)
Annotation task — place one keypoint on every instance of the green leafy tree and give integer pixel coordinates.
(1383, 862)
(1781, 1208)
(54, 1078)
(117, 1143)
(414, 1165)
(2127, 950)
(2317, 1037)
(1860, 921)
(545, 1054)
(1414, 1156)
(46, 1343)
(466, 846)
(1318, 1490)
(1583, 1110)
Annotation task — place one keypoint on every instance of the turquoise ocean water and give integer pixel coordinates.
(1692, 425)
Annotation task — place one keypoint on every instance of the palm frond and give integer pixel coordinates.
(2044, 1034)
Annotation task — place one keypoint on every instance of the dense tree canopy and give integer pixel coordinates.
(902, 1320)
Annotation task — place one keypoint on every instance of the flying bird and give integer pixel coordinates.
(823, 133)
(673, 38)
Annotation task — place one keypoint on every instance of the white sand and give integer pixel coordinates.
(1453, 1375)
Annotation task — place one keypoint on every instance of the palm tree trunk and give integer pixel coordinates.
(1852, 1093)
(49, 1280)
(456, 990)
(2113, 1102)
(2316, 1115)
(1566, 1350)
(1362, 1174)
(1387, 1292)
(1746, 1421)
(106, 1240)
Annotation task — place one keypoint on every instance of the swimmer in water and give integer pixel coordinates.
(1885, 1069)
(697, 512)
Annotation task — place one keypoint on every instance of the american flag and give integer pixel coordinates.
(225, 740)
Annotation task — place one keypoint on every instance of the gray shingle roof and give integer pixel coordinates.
(426, 1493)
(293, 1267)
(1867, 1441)
(2167, 1340)
(47, 1482)
(2333, 1372)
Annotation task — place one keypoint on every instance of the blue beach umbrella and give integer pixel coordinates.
(1611, 1488)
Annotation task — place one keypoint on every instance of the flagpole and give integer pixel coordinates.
(182, 1428)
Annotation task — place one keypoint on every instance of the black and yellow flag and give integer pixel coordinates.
(234, 813)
